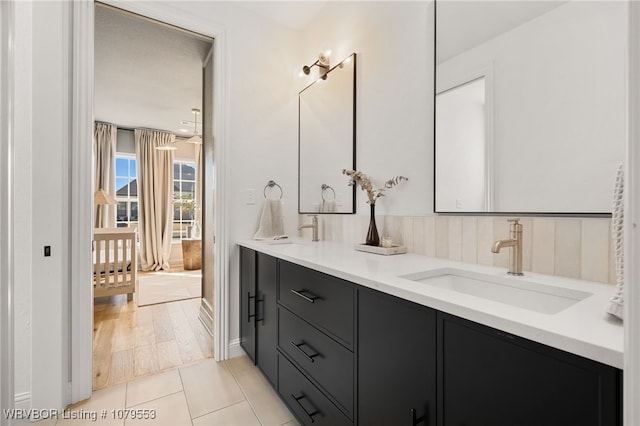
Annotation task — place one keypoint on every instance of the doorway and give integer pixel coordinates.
(165, 324)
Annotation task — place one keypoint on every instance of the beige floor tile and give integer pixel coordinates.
(44, 422)
(171, 410)
(149, 388)
(239, 364)
(292, 423)
(263, 398)
(209, 386)
(101, 402)
(239, 414)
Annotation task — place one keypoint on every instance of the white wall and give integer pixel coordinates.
(394, 78)
(261, 129)
(23, 203)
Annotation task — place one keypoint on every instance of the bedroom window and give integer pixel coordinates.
(126, 191)
(184, 191)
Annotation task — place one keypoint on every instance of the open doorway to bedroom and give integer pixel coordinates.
(151, 137)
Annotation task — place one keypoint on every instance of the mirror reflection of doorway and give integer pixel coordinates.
(149, 89)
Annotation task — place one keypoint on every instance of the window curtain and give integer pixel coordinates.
(199, 199)
(104, 148)
(155, 198)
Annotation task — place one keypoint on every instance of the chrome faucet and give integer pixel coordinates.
(515, 242)
(313, 225)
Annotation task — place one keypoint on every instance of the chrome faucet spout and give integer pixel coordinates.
(515, 242)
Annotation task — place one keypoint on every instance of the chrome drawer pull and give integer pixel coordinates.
(310, 299)
(298, 398)
(309, 357)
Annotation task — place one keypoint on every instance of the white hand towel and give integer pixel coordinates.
(328, 206)
(271, 224)
(616, 303)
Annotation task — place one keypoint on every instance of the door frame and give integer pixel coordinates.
(81, 193)
(7, 63)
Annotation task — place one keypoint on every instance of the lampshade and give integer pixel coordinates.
(102, 198)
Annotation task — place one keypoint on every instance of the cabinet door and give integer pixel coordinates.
(266, 317)
(396, 361)
(488, 377)
(247, 301)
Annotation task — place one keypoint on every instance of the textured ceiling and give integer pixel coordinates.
(146, 74)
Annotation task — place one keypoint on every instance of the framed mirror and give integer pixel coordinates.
(530, 106)
(327, 141)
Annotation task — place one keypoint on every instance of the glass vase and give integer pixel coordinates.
(373, 239)
(196, 232)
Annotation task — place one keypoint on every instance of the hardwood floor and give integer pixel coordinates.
(131, 341)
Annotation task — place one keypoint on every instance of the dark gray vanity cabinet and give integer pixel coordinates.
(258, 318)
(316, 317)
(339, 353)
(488, 377)
(396, 361)
(247, 302)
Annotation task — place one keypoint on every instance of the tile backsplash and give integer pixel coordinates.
(569, 247)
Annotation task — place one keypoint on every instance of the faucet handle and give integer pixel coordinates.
(514, 220)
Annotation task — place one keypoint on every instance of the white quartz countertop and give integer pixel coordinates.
(584, 328)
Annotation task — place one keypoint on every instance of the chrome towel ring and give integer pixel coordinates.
(271, 184)
(326, 187)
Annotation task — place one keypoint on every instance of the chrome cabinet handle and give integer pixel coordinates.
(309, 357)
(310, 415)
(310, 299)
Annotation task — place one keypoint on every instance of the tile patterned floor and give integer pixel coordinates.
(229, 393)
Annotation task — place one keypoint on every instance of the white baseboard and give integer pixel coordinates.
(235, 349)
(22, 401)
(206, 316)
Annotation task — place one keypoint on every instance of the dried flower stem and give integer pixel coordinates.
(362, 180)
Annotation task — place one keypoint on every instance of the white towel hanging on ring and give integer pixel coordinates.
(271, 223)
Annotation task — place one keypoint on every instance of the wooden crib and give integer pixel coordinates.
(115, 262)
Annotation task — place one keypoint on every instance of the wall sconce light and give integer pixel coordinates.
(322, 63)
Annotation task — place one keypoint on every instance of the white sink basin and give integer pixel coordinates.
(515, 291)
(282, 241)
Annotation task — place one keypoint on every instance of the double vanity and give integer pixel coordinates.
(347, 337)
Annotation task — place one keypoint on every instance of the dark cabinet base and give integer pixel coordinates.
(309, 405)
(488, 377)
(340, 354)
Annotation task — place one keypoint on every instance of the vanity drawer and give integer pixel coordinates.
(326, 302)
(322, 358)
(304, 399)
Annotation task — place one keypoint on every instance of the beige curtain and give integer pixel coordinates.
(155, 198)
(199, 198)
(104, 149)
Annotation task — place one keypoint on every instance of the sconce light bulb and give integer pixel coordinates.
(301, 74)
(328, 52)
